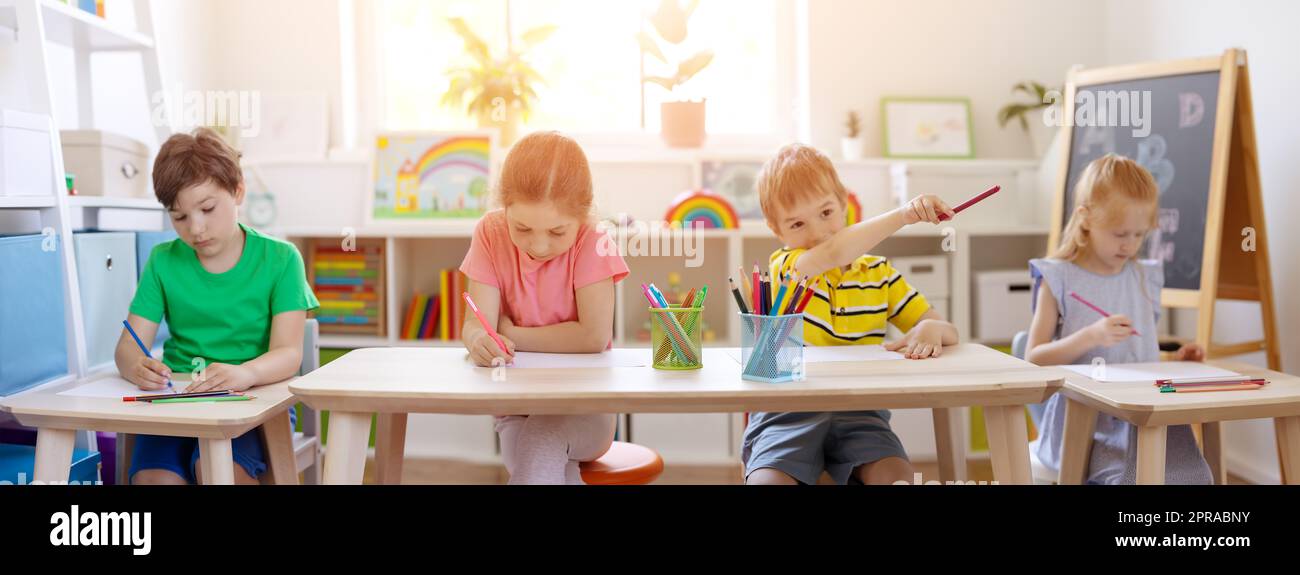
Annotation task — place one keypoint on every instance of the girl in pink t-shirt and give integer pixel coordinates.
(541, 271)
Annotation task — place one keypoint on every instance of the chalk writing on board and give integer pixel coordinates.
(1191, 109)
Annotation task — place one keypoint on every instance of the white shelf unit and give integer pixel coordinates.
(1002, 233)
(27, 29)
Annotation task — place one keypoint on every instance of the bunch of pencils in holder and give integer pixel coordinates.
(678, 335)
(785, 296)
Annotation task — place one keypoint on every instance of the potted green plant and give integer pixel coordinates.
(851, 144)
(500, 91)
(1039, 130)
(681, 121)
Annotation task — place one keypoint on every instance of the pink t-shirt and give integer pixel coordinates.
(533, 293)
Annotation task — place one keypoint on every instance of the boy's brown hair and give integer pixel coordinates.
(193, 159)
(798, 173)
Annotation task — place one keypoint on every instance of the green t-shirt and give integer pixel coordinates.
(226, 317)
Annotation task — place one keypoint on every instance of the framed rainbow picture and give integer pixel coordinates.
(431, 175)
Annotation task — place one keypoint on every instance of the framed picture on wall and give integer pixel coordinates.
(422, 176)
(736, 180)
(927, 127)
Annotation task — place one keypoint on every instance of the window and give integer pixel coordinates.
(591, 64)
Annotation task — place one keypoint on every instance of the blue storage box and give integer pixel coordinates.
(33, 329)
(144, 244)
(106, 274)
(16, 460)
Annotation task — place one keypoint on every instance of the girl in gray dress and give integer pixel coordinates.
(1115, 206)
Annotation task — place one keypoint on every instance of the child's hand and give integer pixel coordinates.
(149, 374)
(925, 209)
(217, 376)
(484, 351)
(1191, 352)
(924, 340)
(1109, 331)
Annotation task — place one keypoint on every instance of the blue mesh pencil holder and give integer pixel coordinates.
(771, 347)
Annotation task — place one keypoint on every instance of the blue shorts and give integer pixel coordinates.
(801, 445)
(179, 455)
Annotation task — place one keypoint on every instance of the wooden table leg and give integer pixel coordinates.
(216, 461)
(54, 454)
(1076, 445)
(1008, 443)
(345, 448)
(948, 444)
(390, 448)
(1212, 449)
(1288, 447)
(277, 436)
(1151, 455)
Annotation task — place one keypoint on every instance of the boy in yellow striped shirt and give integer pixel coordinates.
(804, 204)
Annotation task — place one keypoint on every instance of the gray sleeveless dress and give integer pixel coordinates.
(1134, 292)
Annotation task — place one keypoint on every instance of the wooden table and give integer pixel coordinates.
(58, 417)
(398, 381)
(1141, 404)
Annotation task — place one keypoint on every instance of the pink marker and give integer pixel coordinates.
(970, 202)
(491, 332)
(1094, 307)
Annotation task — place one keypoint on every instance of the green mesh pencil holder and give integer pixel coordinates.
(675, 337)
(771, 347)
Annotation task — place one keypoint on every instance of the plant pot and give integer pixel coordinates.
(852, 148)
(682, 124)
(507, 128)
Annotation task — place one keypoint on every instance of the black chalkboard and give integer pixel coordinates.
(1175, 143)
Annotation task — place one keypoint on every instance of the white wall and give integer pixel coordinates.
(861, 50)
(1170, 29)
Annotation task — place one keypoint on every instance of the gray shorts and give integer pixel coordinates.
(801, 445)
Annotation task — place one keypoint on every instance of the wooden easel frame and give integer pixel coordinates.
(1227, 272)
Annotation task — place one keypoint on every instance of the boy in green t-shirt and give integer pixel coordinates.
(235, 300)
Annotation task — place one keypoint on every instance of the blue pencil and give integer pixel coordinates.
(144, 349)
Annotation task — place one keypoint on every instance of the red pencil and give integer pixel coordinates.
(1094, 307)
(971, 202)
(808, 295)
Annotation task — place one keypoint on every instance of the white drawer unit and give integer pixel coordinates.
(1002, 304)
(106, 272)
(26, 165)
(928, 274)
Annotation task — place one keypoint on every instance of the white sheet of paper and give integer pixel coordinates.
(1150, 372)
(609, 358)
(834, 353)
(115, 387)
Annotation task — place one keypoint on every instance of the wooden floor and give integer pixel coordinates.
(418, 471)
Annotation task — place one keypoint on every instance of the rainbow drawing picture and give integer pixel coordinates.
(431, 175)
(702, 208)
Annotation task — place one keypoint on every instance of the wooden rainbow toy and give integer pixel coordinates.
(853, 210)
(702, 208)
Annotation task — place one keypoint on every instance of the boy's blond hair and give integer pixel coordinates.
(796, 175)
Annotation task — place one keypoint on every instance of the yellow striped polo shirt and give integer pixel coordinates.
(850, 307)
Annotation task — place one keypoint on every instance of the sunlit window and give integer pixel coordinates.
(591, 64)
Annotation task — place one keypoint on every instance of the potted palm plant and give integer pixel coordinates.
(681, 121)
(851, 143)
(1040, 132)
(497, 92)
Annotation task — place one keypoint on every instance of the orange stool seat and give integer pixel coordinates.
(623, 464)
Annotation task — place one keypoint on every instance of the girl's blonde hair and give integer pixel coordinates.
(1108, 188)
(547, 167)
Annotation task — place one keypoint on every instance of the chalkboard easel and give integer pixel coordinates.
(1199, 143)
